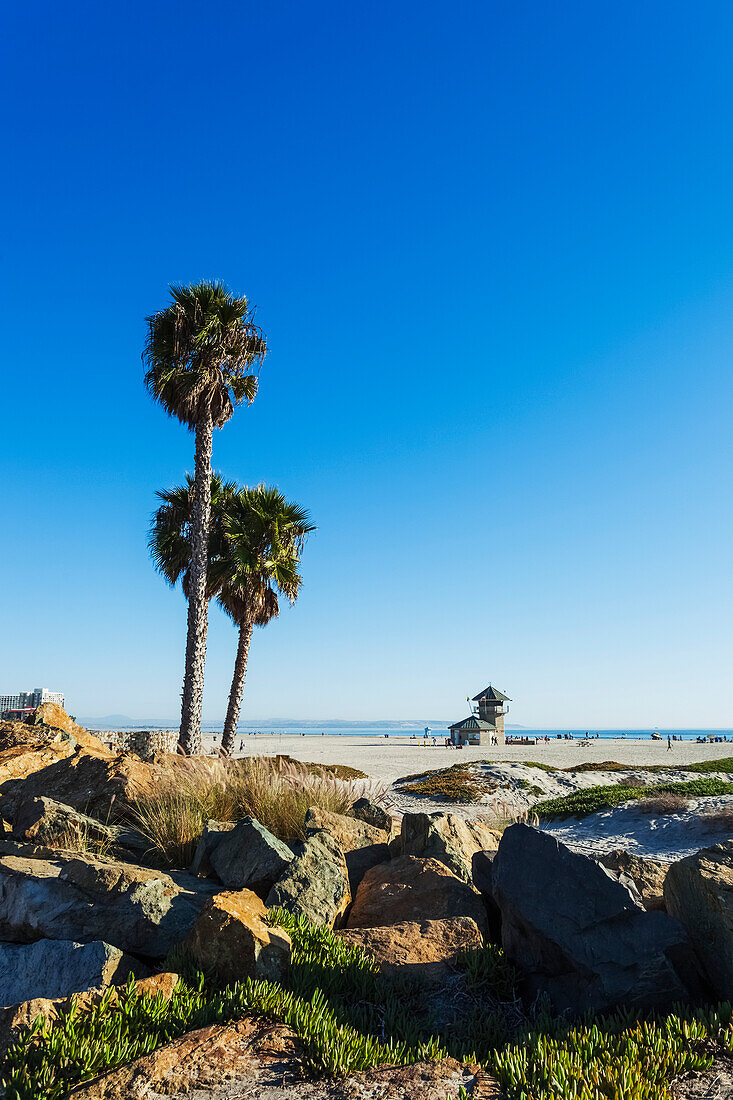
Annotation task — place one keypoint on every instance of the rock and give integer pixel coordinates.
(315, 884)
(413, 889)
(95, 782)
(249, 856)
(53, 717)
(579, 934)
(646, 875)
(483, 879)
(15, 1019)
(19, 761)
(44, 821)
(87, 898)
(363, 845)
(364, 809)
(448, 838)
(263, 1061)
(212, 834)
(698, 891)
(420, 950)
(57, 968)
(232, 940)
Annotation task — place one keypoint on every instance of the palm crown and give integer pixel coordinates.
(199, 353)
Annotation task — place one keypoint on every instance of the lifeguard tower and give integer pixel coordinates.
(485, 724)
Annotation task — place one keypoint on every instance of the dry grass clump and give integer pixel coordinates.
(667, 802)
(719, 819)
(79, 838)
(633, 781)
(276, 792)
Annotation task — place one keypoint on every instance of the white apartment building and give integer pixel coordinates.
(27, 699)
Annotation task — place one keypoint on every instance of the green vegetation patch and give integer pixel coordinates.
(594, 799)
(458, 783)
(350, 1017)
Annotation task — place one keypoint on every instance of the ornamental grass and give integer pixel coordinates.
(277, 792)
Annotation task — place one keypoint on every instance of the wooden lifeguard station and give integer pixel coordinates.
(485, 724)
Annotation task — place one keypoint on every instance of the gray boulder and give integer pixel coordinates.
(698, 891)
(363, 845)
(578, 933)
(315, 884)
(58, 968)
(371, 813)
(211, 836)
(84, 898)
(249, 856)
(44, 821)
(447, 838)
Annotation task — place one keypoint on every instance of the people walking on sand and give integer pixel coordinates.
(669, 743)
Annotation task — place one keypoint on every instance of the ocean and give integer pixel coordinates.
(385, 731)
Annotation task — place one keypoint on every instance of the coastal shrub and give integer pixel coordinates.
(459, 783)
(276, 791)
(594, 799)
(665, 803)
(718, 819)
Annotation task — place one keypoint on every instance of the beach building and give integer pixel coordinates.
(485, 723)
(27, 701)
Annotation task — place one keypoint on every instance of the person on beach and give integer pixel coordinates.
(669, 743)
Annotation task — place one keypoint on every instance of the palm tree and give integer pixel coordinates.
(169, 539)
(262, 544)
(199, 354)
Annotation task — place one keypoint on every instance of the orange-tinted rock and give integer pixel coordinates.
(413, 889)
(52, 716)
(232, 940)
(419, 950)
(263, 1061)
(94, 781)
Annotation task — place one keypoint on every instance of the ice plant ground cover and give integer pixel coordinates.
(349, 1017)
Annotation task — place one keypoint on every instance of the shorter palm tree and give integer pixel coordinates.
(263, 537)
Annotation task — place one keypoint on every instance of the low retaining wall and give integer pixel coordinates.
(145, 743)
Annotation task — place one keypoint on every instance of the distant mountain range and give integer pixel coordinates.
(123, 721)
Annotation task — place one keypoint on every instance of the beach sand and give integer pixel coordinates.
(387, 759)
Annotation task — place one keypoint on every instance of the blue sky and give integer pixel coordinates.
(492, 247)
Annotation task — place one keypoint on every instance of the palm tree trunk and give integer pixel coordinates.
(198, 604)
(235, 695)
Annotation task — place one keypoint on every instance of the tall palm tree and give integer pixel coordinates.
(199, 354)
(260, 562)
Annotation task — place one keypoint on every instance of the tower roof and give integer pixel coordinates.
(491, 693)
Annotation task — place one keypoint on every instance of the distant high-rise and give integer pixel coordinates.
(29, 700)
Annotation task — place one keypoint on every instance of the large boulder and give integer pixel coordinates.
(87, 898)
(646, 876)
(315, 884)
(448, 838)
(415, 890)
(262, 1060)
(698, 891)
(366, 809)
(18, 761)
(232, 940)
(57, 968)
(95, 782)
(212, 834)
(578, 933)
(43, 821)
(363, 845)
(51, 716)
(249, 856)
(421, 950)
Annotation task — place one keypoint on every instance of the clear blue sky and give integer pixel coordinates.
(492, 247)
